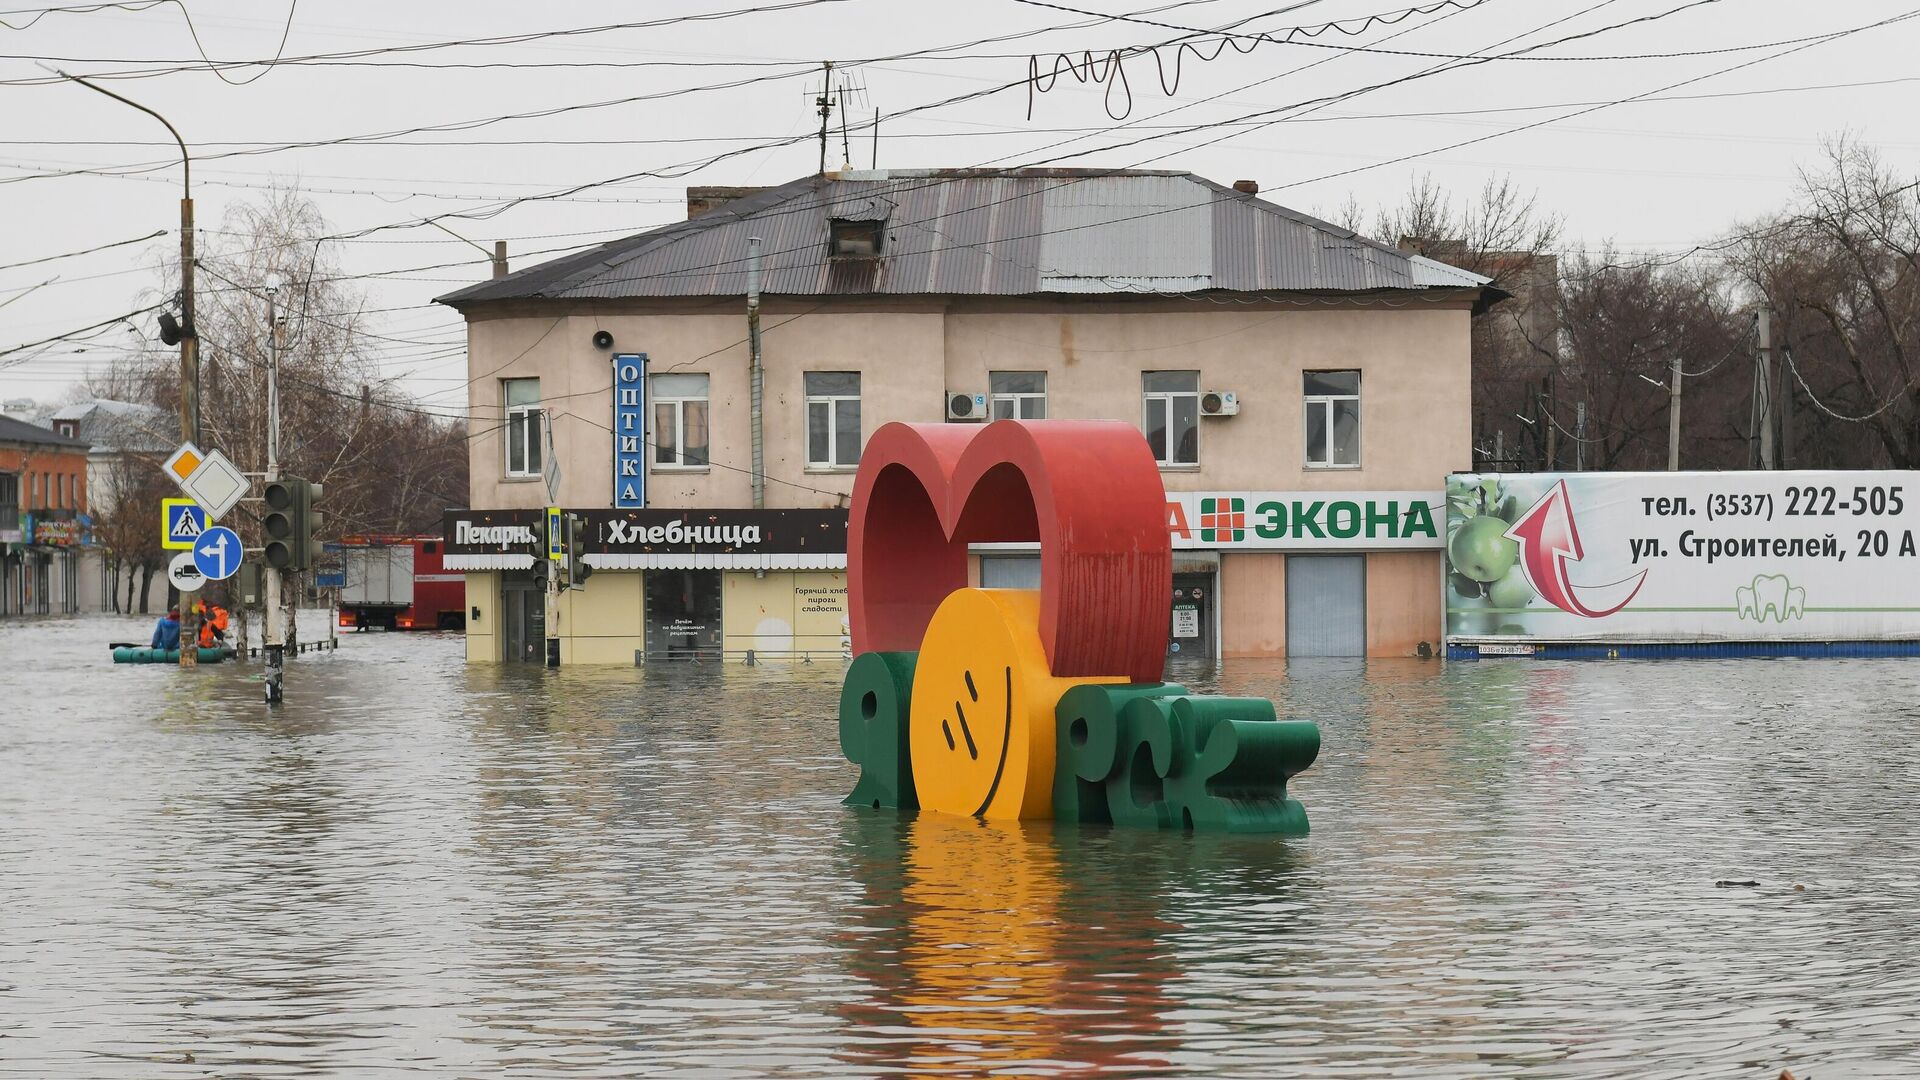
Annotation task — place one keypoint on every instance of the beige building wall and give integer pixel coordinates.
(1253, 604)
(1403, 602)
(601, 622)
(1413, 359)
(785, 614)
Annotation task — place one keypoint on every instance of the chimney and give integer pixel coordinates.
(1247, 187)
(499, 258)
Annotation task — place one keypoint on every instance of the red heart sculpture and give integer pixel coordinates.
(1088, 491)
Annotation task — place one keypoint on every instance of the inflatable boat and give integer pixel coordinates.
(140, 654)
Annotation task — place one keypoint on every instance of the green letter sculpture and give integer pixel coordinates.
(873, 729)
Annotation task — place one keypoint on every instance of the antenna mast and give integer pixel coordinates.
(825, 104)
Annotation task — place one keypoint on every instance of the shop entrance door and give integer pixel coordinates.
(1326, 605)
(1192, 630)
(523, 613)
(683, 615)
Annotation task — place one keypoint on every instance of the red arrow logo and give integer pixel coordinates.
(1548, 541)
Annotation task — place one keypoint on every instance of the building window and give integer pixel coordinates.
(833, 419)
(679, 420)
(69, 428)
(59, 490)
(33, 490)
(525, 419)
(9, 494)
(1333, 419)
(1172, 416)
(1018, 395)
(855, 239)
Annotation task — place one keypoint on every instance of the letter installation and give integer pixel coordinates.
(1008, 703)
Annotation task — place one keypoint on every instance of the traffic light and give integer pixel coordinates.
(542, 563)
(292, 525)
(310, 520)
(282, 546)
(577, 570)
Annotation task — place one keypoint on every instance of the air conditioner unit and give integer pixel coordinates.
(1219, 403)
(966, 406)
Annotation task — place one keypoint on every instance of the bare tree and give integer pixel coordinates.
(1838, 269)
(383, 462)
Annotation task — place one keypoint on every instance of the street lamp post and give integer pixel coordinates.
(189, 341)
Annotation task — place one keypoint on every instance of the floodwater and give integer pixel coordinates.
(419, 867)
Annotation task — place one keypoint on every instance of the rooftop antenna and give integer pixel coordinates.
(825, 104)
(846, 147)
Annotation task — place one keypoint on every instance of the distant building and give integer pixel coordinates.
(1306, 391)
(128, 442)
(43, 519)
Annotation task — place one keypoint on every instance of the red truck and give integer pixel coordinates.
(398, 583)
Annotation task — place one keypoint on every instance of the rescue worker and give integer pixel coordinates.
(213, 624)
(166, 632)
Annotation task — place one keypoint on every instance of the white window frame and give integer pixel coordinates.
(533, 432)
(679, 433)
(832, 402)
(1163, 400)
(1019, 401)
(1325, 402)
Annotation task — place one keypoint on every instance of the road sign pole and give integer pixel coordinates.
(275, 637)
(556, 539)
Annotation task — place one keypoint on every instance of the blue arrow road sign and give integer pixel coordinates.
(217, 553)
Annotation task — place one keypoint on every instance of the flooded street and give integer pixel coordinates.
(1648, 869)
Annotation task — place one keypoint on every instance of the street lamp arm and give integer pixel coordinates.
(186, 163)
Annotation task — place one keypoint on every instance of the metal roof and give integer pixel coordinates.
(985, 232)
(19, 431)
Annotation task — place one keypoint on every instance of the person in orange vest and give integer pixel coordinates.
(213, 624)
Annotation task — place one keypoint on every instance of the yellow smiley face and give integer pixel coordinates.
(981, 729)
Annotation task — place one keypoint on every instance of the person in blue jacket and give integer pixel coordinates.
(166, 632)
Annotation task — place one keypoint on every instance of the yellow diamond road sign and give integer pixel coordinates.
(208, 478)
(183, 462)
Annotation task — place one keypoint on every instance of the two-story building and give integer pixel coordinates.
(1305, 389)
(43, 523)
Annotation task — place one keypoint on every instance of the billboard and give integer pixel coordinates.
(1683, 557)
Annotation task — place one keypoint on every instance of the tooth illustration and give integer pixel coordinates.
(1771, 593)
(1796, 604)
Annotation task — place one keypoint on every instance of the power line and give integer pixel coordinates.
(385, 50)
(86, 251)
(76, 335)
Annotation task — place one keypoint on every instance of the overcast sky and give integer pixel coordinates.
(1654, 175)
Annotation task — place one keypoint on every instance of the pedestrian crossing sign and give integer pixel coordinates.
(181, 523)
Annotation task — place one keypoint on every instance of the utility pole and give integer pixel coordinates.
(1673, 419)
(1580, 436)
(1763, 386)
(825, 104)
(1553, 425)
(270, 589)
(189, 342)
(1787, 393)
(754, 372)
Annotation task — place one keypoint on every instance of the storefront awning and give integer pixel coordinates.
(487, 562)
(737, 561)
